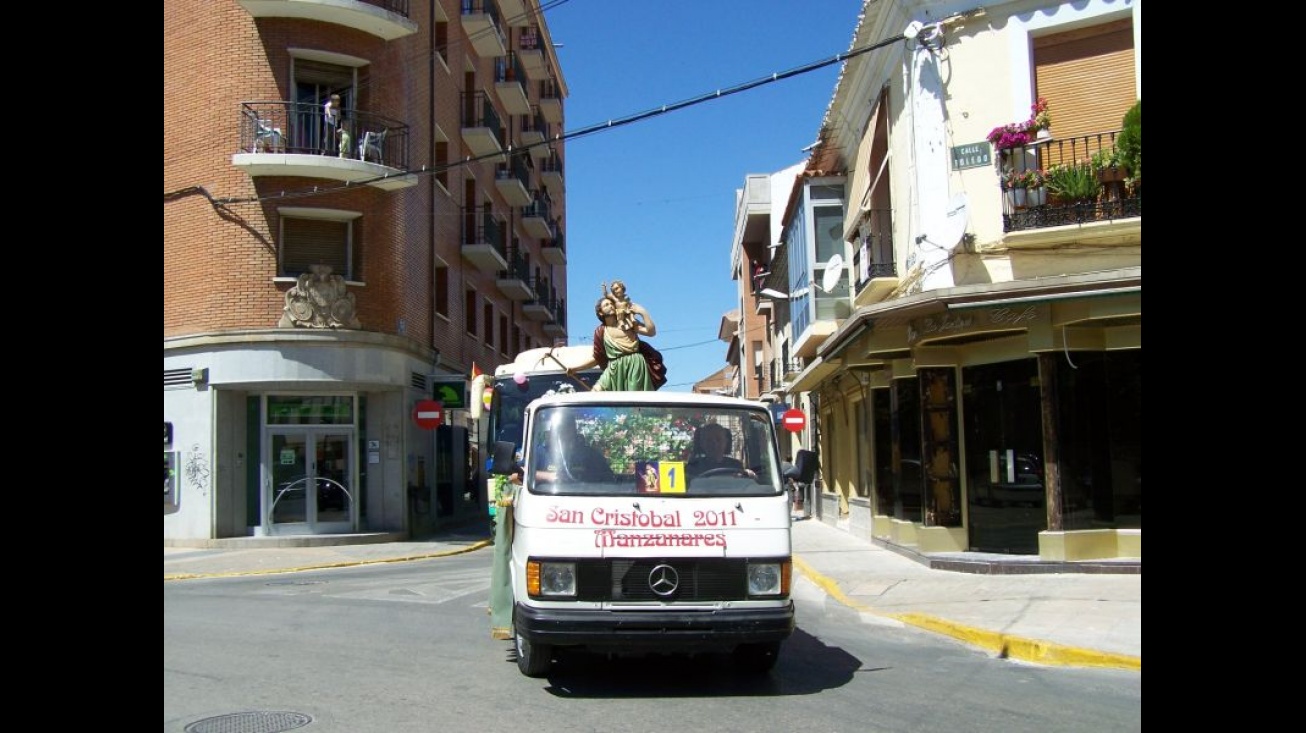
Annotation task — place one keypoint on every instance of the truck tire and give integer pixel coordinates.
(533, 660)
(756, 658)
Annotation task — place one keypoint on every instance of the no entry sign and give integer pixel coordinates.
(794, 420)
(428, 414)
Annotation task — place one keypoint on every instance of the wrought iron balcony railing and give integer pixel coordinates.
(1025, 208)
(301, 129)
(873, 257)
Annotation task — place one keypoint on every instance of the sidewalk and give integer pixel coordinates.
(1076, 619)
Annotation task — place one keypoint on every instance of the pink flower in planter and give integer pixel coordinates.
(1014, 135)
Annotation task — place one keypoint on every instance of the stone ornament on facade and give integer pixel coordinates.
(319, 300)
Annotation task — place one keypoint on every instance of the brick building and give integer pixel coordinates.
(329, 265)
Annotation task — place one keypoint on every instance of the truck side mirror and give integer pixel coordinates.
(504, 458)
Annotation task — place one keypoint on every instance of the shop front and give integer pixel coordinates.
(1008, 426)
(291, 433)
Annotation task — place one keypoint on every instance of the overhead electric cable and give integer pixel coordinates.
(583, 132)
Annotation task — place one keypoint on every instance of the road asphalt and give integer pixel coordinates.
(1075, 618)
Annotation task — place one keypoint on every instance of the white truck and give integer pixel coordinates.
(631, 532)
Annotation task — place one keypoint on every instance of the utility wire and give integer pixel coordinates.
(583, 132)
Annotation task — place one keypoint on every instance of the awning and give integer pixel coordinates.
(813, 374)
(902, 310)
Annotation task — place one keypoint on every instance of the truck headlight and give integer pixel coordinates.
(556, 579)
(768, 578)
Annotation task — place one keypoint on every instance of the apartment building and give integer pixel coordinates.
(364, 200)
(955, 291)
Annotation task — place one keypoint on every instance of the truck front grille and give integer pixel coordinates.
(696, 579)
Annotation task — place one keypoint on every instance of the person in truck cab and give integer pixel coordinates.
(569, 457)
(711, 442)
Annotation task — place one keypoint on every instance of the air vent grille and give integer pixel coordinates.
(176, 377)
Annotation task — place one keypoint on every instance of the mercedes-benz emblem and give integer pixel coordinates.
(663, 580)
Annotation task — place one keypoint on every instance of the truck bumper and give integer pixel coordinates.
(663, 630)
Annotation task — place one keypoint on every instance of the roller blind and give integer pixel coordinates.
(1087, 76)
(315, 241)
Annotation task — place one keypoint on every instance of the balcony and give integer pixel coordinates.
(510, 83)
(385, 19)
(289, 139)
(530, 48)
(483, 240)
(1114, 201)
(551, 101)
(875, 274)
(535, 218)
(514, 12)
(514, 281)
(541, 306)
(553, 251)
(481, 129)
(534, 133)
(557, 326)
(481, 22)
(551, 172)
(513, 179)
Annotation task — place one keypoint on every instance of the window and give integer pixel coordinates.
(489, 324)
(441, 290)
(441, 164)
(442, 41)
(469, 310)
(314, 82)
(1088, 76)
(317, 237)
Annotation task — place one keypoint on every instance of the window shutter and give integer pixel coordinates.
(1087, 76)
(313, 242)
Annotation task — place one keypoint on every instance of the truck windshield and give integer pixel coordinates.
(653, 449)
(511, 398)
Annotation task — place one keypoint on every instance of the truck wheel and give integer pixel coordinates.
(532, 659)
(757, 658)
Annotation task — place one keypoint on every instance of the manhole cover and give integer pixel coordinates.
(255, 722)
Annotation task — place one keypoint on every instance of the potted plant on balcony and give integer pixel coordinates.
(1073, 183)
(1129, 146)
(1013, 135)
(1036, 192)
(1015, 187)
(1107, 163)
(1020, 134)
(1041, 118)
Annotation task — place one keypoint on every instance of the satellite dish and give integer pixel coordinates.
(833, 273)
(946, 231)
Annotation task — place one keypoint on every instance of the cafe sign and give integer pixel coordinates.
(977, 320)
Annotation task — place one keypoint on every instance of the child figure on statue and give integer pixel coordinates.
(621, 302)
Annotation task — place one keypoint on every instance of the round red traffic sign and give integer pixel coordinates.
(428, 414)
(794, 420)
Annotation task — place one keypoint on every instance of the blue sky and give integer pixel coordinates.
(653, 202)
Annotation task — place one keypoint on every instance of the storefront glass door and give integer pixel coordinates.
(311, 481)
(1004, 457)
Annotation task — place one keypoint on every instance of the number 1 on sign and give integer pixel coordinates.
(672, 476)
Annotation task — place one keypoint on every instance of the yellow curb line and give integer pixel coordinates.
(1004, 646)
(350, 563)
